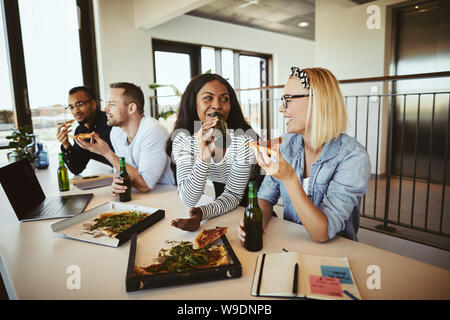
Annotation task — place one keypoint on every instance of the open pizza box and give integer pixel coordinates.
(80, 227)
(143, 254)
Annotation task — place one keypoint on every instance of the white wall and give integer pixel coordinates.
(125, 52)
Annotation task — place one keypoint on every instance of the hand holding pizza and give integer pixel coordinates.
(205, 139)
(190, 224)
(95, 145)
(275, 166)
(62, 133)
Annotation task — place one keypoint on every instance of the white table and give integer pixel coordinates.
(34, 260)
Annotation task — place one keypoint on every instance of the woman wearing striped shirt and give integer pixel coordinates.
(198, 154)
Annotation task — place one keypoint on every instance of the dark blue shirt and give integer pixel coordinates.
(76, 158)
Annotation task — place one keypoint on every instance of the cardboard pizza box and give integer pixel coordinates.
(77, 227)
(142, 253)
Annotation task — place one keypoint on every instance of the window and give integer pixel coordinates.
(228, 66)
(251, 70)
(173, 71)
(52, 55)
(208, 57)
(6, 103)
(241, 69)
(50, 49)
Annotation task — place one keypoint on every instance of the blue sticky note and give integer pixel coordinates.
(342, 273)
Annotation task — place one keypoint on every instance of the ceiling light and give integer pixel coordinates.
(416, 7)
(303, 24)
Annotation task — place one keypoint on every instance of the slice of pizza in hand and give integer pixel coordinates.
(206, 237)
(68, 123)
(265, 145)
(82, 136)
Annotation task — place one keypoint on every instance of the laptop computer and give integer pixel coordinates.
(29, 202)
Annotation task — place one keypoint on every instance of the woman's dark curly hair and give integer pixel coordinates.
(187, 112)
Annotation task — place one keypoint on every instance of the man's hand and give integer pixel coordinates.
(95, 145)
(62, 134)
(190, 224)
(241, 231)
(117, 187)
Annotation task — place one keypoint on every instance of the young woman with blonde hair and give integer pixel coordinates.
(320, 172)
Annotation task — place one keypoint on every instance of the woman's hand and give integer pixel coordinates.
(278, 167)
(205, 139)
(190, 224)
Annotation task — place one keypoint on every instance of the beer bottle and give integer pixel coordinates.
(253, 221)
(123, 174)
(63, 175)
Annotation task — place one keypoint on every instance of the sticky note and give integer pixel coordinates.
(342, 273)
(325, 285)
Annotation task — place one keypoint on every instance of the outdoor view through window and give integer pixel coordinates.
(52, 64)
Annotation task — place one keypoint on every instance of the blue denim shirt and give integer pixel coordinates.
(338, 180)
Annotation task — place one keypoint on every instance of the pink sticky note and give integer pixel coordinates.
(325, 285)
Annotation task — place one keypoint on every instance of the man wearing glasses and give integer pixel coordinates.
(140, 139)
(83, 105)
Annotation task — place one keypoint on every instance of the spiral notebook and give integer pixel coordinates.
(291, 274)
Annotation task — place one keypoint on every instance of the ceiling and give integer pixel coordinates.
(281, 16)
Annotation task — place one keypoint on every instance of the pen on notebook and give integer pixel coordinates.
(295, 282)
(350, 295)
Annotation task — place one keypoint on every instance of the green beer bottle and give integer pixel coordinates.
(253, 221)
(123, 174)
(63, 175)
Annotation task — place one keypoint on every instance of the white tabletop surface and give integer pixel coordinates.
(34, 260)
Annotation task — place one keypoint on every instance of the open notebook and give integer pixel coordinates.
(291, 274)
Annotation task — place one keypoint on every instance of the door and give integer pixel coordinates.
(420, 121)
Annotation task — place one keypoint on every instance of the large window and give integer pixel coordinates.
(252, 71)
(44, 40)
(171, 69)
(52, 61)
(6, 103)
(241, 69)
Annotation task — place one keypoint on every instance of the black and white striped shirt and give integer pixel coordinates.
(192, 173)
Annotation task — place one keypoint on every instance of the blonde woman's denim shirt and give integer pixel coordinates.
(338, 181)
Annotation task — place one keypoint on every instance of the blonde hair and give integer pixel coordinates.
(327, 116)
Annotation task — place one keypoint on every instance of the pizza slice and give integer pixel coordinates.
(68, 123)
(265, 145)
(206, 237)
(82, 136)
